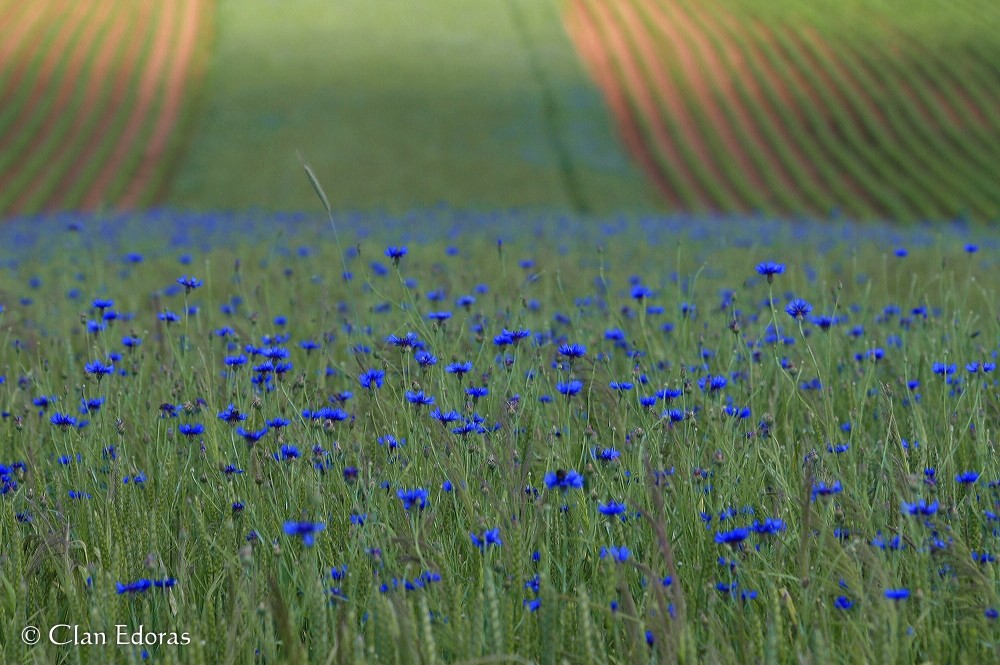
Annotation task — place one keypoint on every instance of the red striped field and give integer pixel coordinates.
(742, 106)
(92, 95)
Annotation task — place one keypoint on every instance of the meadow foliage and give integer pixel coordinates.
(631, 441)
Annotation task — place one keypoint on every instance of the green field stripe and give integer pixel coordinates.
(743, 195)
(937, 131)
(981, 85)
(816, 153)
(13, 107)
(750, 197)
(959, 161)
(194, 89)
(44, 161)
(796, 164)
(804, 194)
(130, 166)
(78, 179)
(789, 199)
(719, 194)
(17, 153)
(856, 153)
(677, 188)
(711, 190)
(45, 188)
(866, 134)
(823, 154)
(26, 41)
(918, 152)
(689, 187)
(837, 162)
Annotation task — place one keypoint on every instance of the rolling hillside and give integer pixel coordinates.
(94, 97)
(875, 109)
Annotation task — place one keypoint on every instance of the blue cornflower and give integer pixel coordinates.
(189, 283)
(621, 385)
(62, 420)
(305, 530)
(674, 415)
(572, 351)
(409, 340)
(396, 253)
(967, 477)
(286, 452)
(489, 537)
(445, 418)
(606, 454)
(391, 441)
(130, 341)
(711, 383)
(419, 398)
(897, 594)
(640, 292)
(769, 526)
(459, 368)
(102, 303)
(413, 497)
(91, 405)
(826, 489)
(275, 352)
(612, 508)
(617, 554)
(44, 401)
(193, 429)
(669, 394)
(439, 316)
(475, 392)
(168, 317)
(251, 436)
(943, 369)
(570, 388)
(769, 269)
(133, 587)
(359, 519)
(231, 415)
(425, 359)
(372, 378)
(98, 369)
(733, 536)
(920, 507)
(843, 603)
(278, 423)
(798, 308)
(564, 480)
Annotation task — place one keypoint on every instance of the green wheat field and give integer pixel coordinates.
(648, 331)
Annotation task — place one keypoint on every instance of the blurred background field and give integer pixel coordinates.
(878, 109)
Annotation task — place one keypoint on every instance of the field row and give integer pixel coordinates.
(737, 108)
(91, 94)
